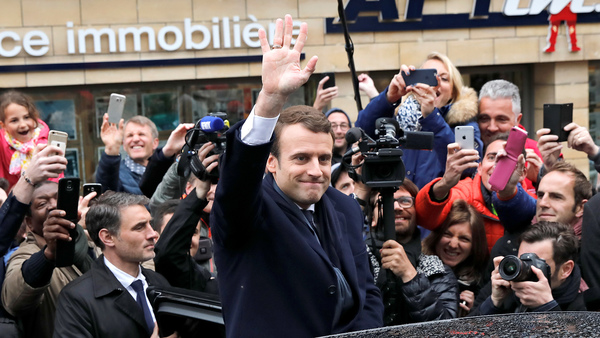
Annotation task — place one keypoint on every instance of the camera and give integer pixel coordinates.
(513, 268)
(383, 166)
(210, 128)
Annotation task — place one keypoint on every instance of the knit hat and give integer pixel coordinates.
(338, 110)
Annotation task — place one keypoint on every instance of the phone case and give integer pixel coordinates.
(68, 200)
(89, 187)
(464, 136)
(425, 76)
(116, 105)
(556, 117)
(330, 82)
(506, 165)
(58, 139)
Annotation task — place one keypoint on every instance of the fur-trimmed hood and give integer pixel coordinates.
(465, 109)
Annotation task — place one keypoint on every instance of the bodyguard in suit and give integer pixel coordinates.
(110, 299)
(289, 248)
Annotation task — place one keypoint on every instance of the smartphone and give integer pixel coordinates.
(89, 187)
(507, 164)
(330, 82)
(556, 117)
(116, 105)
(58, 139)
(464, 136)
(425, 76)
(68, 201)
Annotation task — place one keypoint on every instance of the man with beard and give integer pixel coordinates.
(340, 123)
(410, 296)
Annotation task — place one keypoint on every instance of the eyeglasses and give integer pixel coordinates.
(343, 126)
(405, 201)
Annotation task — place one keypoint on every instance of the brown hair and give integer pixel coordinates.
(565, 245)
(309, 117)
(582, 188)
(471, 268)
(22, 99)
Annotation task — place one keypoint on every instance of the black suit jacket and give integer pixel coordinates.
(275, 279)
(97, 305)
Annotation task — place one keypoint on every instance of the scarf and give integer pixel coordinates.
(23, 151)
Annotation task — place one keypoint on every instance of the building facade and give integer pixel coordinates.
(179, 60)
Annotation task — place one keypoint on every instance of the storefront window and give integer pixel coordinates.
(78, 111)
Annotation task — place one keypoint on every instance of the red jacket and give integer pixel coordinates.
(6, 152)
(431, 214)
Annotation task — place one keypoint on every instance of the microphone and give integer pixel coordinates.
(353, 135)
(210, 124)
(351, 152)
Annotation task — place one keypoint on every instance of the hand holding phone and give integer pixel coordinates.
(116, 105)
(506, 165)
(68, 201)
(88, 188)
(425, 76)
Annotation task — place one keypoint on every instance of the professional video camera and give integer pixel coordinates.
(383, 166)
(210, 128)
(513, 268)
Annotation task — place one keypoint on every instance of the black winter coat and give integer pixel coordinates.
(431, 295)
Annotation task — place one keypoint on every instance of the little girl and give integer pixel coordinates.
(21, 131)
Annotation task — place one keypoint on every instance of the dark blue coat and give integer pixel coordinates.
(422, 166)
(275, 279)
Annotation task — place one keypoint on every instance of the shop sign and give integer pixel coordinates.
(223, 34)
(382, 15)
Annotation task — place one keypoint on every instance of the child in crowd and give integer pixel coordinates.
(21, 131)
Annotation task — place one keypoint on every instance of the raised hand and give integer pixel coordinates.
(324, 96)
(366, 85)
(112, 136)
(397, 87)
(176, 139)
(549, 147)
(580, 139)
(281, 70)
(458, 160)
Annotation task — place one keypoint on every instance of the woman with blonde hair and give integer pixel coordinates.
(422, 107)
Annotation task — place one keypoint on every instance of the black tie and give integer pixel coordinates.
(141, 300)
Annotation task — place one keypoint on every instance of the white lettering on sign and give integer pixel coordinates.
(35, 43)
(224, 33)
(511, 7)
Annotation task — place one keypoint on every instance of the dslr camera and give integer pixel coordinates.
(513, 268)
(210, 128)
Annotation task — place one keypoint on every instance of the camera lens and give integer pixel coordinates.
(69, 186)
(510, 268)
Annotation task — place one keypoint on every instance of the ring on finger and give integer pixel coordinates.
(276, 46)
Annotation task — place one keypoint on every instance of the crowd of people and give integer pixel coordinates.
(288, 235)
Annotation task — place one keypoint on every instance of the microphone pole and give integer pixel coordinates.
(350, 52)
